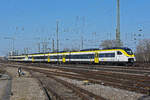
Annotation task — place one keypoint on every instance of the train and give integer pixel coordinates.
(115, 55)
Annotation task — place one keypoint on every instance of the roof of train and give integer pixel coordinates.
(124, 48)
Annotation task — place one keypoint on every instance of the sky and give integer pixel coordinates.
(29, 22)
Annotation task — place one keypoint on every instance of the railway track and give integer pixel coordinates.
(139, 86)
(141, 71)
(57, 89)
(118, 69)
(131, 82)
(62, 90)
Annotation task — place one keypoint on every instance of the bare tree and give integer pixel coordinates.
(109, 43)
(143, 51)
(73, 49)
(66, 49)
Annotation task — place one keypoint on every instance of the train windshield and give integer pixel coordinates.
(129, 51)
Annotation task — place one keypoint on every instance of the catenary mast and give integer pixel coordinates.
(118, 24)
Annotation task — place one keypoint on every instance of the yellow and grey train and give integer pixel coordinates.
(116, 55)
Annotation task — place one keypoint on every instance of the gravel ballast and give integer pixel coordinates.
(107, 92)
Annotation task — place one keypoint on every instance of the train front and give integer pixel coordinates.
(130, 55)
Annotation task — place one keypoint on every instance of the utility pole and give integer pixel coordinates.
(53, 45)
(57, 41)
(45, 45)
(57, 35)
(118, 24)
(82, 42)
(26, 50)
(13, 42)
(39, 48)
(42, 46)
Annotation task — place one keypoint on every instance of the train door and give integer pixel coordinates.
(48, 60)
(96, 59)
(64, 58)
(32, 59)
(26, 58)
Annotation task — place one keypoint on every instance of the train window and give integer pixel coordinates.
(53, 57)
(67, 56)
(40, 57)
(60, 56)
(101, 55)
(18, 58)
(111, 55)
(56, 57)
(119, 53)
(29, 57)
(82, 56)
(129, 51)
